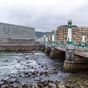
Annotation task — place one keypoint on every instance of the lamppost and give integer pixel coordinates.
(83, 39)
(43, 38)
(69, 44)
(46, 38)
(69, 36)
(53, 37)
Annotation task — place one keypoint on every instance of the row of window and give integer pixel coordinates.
(21, 41)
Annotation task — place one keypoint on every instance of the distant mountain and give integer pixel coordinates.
(40, 34)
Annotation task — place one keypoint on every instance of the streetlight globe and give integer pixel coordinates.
(69, 21)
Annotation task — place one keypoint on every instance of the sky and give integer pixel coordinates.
(44, 15)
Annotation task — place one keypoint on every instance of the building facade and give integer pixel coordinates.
(49, 37)
(61, 33)
(10, 33)
(79, 34)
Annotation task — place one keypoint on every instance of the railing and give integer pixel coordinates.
(78, 47)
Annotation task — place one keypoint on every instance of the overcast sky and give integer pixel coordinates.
(44, 15)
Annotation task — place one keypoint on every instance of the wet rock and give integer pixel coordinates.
(7, 86)
(26, 73)
(18, 61)
(27, 58)
(28, 62)
(6, 60)
(52, 85)
(61, 86)
(4, 81)
(20, 75)
(45, 83)
(34, 73)
(56, 83)
(40, 85)
(42, 66)
(25, 86)
(44, 73)
(46, 87)
(41, 73)
(12, 80)
(1, 82)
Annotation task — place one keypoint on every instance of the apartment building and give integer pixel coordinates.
(61, 33)
(81, 30)
(49, 37)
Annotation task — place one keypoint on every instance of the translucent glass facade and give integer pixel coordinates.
(9, 31)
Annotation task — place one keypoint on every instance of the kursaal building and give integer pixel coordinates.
(10, 33)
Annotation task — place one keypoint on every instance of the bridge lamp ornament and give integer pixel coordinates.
(42, 40)
(46, 39)
(69, 35)
(53, 36)
(83, 38)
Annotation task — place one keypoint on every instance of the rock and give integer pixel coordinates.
(40, 85)
(25, 86)
(61, 86)
(45, 83)
(34, 73)
(46, 87)
(6, 60)
(52, 85)
(26, 58)
(7, 86)
(18, 61)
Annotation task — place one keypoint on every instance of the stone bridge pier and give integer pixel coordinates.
(42, 47)
(69, 58)
(56, 54)
(47, 50)
(74, 62)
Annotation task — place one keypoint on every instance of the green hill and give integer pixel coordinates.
(40, 34)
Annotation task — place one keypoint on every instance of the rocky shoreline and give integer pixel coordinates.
(14, 82)
(77, 80)
(36, 70)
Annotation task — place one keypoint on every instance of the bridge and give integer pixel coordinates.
(75, 55)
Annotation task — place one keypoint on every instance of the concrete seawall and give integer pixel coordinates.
(20, 47)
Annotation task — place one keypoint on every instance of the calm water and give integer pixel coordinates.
(14, 64)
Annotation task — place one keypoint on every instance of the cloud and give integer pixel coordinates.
(44, 15)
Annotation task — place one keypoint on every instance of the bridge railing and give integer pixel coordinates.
(78, 47)
(81, 47)
(55, 44)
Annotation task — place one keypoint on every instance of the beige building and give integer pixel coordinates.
(61, 33)
(79, 34)
(49, 36)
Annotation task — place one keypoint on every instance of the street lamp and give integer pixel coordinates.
(53, 37)
(83, 39)
(69, 36)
